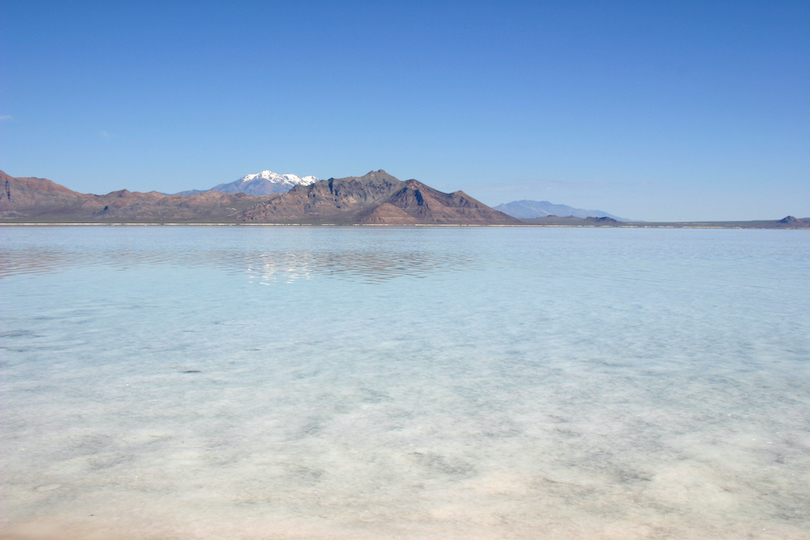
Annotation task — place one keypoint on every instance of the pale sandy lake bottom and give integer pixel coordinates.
(162, 383)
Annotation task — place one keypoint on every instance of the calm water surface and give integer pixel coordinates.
(486, 383)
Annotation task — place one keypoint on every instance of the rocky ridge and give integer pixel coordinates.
(375, 198)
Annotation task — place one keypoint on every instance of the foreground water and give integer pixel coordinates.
(167, 383)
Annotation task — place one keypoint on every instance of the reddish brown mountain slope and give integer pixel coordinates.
(376, 198)
(428, 205)
(40, 200)
(23, 193)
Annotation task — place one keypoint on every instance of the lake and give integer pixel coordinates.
(414, 383)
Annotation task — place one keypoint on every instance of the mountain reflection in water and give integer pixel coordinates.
(371, 262)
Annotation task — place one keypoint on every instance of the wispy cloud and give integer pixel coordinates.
(104, 134)
(6, 118)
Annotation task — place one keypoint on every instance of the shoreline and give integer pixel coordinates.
(623, 225)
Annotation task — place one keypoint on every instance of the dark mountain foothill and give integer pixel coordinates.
(574, 221)
(794, 222)
(604, 220)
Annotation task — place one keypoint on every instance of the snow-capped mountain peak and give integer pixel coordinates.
(265, 183)
(275, 178)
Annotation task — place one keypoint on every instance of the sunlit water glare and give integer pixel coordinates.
(485, 383)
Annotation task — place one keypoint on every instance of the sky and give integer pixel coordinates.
(657, 111)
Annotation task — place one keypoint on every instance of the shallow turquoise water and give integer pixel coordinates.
(295, 382)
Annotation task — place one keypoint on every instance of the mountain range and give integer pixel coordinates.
(376, 198)
(268, 183)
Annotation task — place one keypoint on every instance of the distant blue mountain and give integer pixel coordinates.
(533, 209)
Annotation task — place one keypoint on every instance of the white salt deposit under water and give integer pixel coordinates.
(364, 383)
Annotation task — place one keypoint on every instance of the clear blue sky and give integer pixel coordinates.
(648, 110)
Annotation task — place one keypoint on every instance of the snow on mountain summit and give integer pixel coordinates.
(265, 183)
(276, 178)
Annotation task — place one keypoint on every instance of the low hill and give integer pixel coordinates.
(788, 222)
(573, 221)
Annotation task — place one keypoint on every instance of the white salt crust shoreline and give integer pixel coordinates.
(144, 528)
